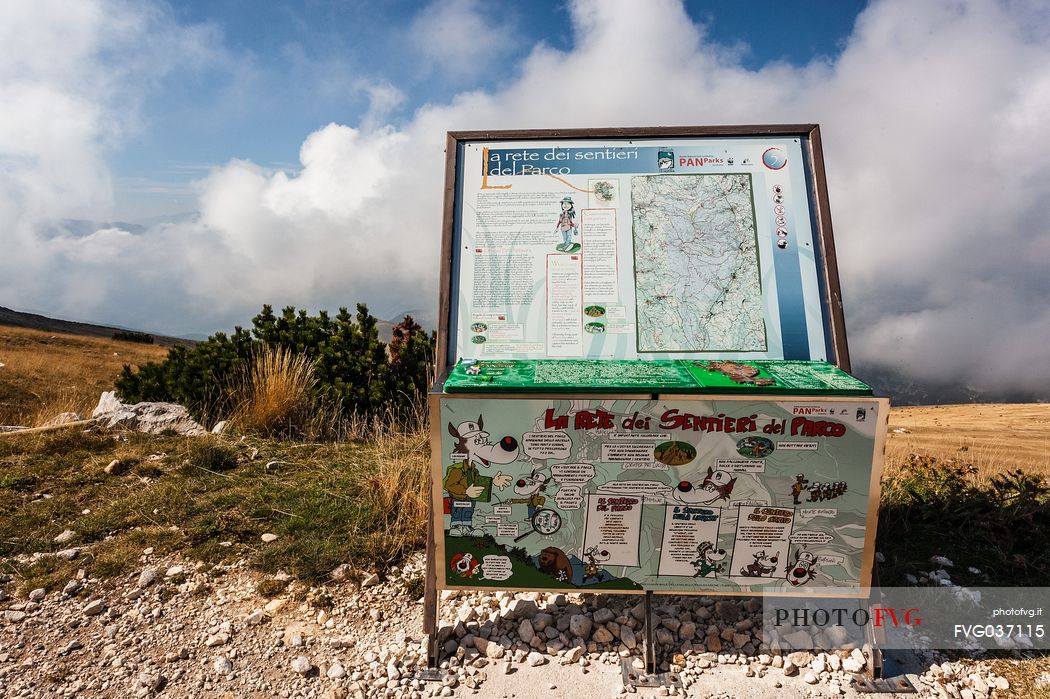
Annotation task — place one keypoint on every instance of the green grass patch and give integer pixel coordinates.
(357, 503)
(998, 526)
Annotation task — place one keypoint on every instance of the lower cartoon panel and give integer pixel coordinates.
(721, 495)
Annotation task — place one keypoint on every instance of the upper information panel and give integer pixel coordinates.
(615, 248)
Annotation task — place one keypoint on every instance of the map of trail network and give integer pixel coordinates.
(697, 278)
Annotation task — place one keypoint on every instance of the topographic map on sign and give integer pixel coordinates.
(697, 277)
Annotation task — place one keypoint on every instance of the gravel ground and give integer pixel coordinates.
(174, 629)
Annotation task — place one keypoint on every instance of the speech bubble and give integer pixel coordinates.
(546, 445)
(572, 474)
(628, 453)
(830, 558)
(493, 520)
(504, 529)
(811, 512)
(741, 465)
(808, 536)
(502, 509)
(652, 492)
(798, 446)
(496, 567)
(569, 497)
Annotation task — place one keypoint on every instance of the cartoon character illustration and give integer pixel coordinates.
(798, 486)
(763, 566)
(464, 564)
(717, 485)
(464, 483)
(814, 491)
(803, 569)
(555, 563)
(590, 568)
(707, 560)
(532, 486)
(566, 225)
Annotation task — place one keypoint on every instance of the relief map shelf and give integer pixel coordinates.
(656, 376)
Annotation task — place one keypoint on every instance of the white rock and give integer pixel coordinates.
(851, 664)
(94, 608)
(336, 671)
(152, 418)
(255, 618)
(147, 577)
(269, 538)
(65, 536)
(38, 594)
(370, 580)
(222, 665)
(302, 665)
(809, 678)
(534, 659)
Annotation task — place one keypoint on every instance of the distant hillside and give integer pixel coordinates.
(20, 319)
(906, 390)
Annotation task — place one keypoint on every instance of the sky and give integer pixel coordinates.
(292, 153)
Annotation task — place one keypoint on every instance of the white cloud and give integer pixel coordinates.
(931, 118)
(455, 39)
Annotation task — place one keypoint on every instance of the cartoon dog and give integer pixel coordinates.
(532, 486)
(464, 564)
(591, 568)
(763, 566)
(555, 563)
(707, 560)
(717, 485)
(464, 483)
(803, 569)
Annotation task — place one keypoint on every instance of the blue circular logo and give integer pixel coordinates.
(774, 158)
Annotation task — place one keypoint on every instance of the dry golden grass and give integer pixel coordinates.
(46, 373)
(993, 437)
(277, 395)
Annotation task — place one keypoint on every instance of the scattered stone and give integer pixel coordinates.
(65, 536)
(72, 587)
(370, 580)
(302, 665)
(269, 538)
(809, 678)
(147, 577)
(336, 671)
(115, 467)
(94, 608)
(68, 554)
(38, 594)
(580, 626)
(534, 659)
(70, 647)
(222, 665)
(255, 618)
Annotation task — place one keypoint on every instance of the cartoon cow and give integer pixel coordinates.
(464, 483)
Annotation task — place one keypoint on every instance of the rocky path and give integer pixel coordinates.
(177, 630)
